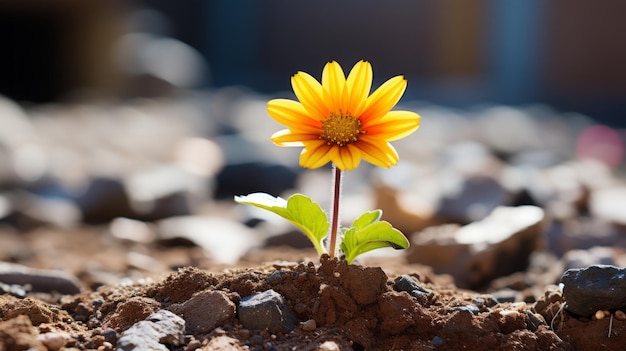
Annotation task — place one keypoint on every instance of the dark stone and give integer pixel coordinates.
(39, 280)
(251, 177)
(293, 239)
(597, 287)
(169, 205)
(266, 310)
(478, 196)
(505, 295)
(467, 308)
(406, 283)
(103, 200)
(437, 340)
(15, 290)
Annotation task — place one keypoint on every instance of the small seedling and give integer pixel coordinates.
(338, 121)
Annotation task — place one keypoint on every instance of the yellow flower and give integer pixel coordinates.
(338, 121)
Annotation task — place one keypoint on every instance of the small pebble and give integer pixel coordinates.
(193, 345)
(309, 325)
(329, 346)
(257, 339)
(106, 346)
(467, 308)
(620, 315)
(109, 335)
(437, 340)
(53, 341)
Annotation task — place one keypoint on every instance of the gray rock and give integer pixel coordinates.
(597, 287)
(102, 200)
(210, 234)
(472, 199)
(597, 255)
(205, 311)
(266, 310)
(467, 308)
(154, 333)
(236, 179)
(608, 203)
(159, 193)
(477, 253)
(583, 232)
(406, 283)
(40, 280)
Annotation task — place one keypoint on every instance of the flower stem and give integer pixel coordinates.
(334, 224)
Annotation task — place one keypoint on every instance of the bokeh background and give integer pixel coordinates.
(145, 118)
(568, 54)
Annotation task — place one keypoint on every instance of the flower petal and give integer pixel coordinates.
(378, 153)
(314, 154)
(394, 125)
(333, 87)
(346, 158)
(359, 83)
(293, 115)
(351, 157)
(309, 93)
(287, 137)
(383, 99)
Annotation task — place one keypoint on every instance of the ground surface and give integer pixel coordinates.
(120, 205)
(355, 307)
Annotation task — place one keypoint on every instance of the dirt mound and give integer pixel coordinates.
(337, 306)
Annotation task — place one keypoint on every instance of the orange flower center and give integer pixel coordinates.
(341, 129)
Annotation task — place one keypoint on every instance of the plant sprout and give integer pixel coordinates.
(338, 121)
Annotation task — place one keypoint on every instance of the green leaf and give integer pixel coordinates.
(368, 234)
(367, 218)
(298, 209)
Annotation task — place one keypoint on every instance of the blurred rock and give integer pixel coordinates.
(160, 192)
(199, 156)
(583, 232)
(476, 253)
(597, 287)
(507, 130)
(53, 341)
(99, 201)
(144, 262)
(252, 177)
(609, 204)
(17, 133)
(294, 238)
(597, 255)
(30, 211)
(132, 230)
(469, 183)
(39, 280)
(398, 210)
(562, 189)
(471, 199)
(225, 241)
(544, 269)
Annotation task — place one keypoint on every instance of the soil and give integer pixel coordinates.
(354, 307)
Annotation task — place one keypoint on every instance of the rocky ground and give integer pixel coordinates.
(118, 231)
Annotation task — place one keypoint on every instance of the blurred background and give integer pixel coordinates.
(568, 54)
(147, 117)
